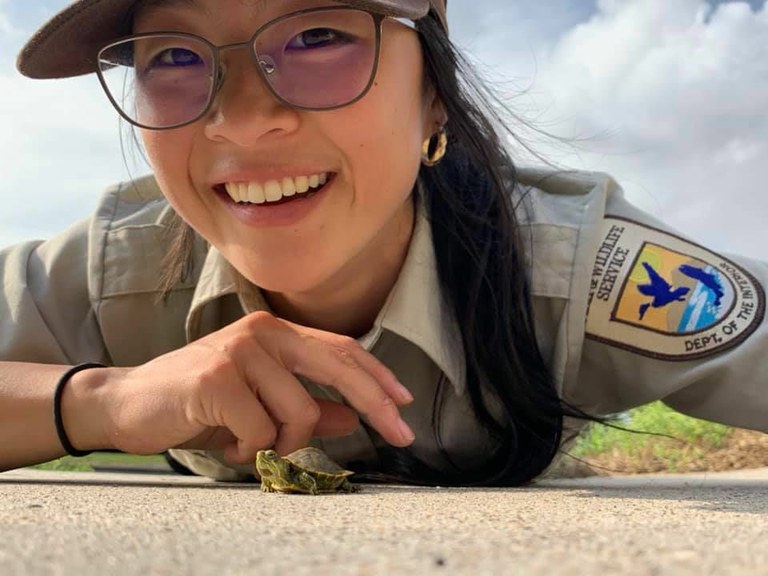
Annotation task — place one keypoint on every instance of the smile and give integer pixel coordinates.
(275, 190)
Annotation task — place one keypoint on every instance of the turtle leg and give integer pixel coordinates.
(266, 486)
(347, 486)
(308, 483)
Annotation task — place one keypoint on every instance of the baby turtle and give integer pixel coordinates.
(305, 471)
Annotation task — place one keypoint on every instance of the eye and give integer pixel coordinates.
(318, 38)
(176, 58)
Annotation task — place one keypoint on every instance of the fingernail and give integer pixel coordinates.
(405, 394)
(406, 432)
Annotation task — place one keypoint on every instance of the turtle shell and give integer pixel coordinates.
(316, 462)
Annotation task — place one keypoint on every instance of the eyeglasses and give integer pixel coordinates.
(316, 59)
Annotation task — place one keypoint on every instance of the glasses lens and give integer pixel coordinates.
(321, 59)
(158, 81)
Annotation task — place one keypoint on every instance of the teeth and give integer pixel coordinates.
(289, 187)
(256, 193)
(302, 184)
(273, 190)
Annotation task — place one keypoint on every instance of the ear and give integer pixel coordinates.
(435, 115)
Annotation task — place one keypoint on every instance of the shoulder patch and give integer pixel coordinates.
(661, 296)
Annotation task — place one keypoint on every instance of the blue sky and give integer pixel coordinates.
(669, 96)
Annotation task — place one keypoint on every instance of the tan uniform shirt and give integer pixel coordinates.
(626, 313)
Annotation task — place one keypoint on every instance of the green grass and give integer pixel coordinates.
(87, 463)
(691, 437)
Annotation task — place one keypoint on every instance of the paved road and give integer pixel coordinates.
(133, 524)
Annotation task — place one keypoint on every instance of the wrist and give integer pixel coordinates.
(84, 416)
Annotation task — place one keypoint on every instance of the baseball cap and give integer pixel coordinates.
(67, 44)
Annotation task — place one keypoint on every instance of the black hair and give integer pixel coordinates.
(484, 279)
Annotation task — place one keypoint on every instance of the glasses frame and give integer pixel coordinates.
(218, 81)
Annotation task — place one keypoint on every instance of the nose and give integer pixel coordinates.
(244, 110)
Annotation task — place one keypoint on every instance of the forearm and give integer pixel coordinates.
(27, 430)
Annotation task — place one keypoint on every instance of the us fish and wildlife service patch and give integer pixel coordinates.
(659, 295)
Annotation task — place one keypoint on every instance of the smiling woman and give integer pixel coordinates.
(335, 249)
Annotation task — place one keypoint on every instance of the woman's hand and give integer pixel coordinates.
(235, 390)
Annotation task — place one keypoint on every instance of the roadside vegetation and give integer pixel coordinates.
(104, 461)
(673, 443)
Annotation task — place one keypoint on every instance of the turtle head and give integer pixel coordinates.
(269, 463)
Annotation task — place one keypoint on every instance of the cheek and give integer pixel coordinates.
(384, 133)
(167, 153)
(156, 153)
(396, 113)
(153, 147)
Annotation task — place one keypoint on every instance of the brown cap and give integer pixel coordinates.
(68, 43)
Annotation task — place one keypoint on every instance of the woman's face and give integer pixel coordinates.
(369, 152)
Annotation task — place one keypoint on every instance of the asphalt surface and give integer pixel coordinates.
(158, 524)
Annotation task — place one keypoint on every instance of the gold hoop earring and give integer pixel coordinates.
(432, 154)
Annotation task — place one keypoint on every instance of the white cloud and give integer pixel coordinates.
(675, 94)
(673, 91)
(59, 142)
(5, 25)
(60, 146)
(8, 32)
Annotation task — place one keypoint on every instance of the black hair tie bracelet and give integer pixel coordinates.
(71, 450)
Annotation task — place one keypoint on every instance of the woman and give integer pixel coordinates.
(349, 258)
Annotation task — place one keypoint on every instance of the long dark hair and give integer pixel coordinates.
(484, 280)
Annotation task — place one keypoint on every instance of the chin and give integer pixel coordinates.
(287, 280)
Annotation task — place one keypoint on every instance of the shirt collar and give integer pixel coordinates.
(414, 309)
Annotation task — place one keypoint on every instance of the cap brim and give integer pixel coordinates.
(67, 44)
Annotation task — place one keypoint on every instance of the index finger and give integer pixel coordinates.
(340, 362)
(383, 375)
